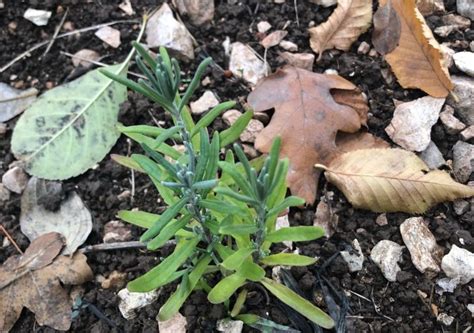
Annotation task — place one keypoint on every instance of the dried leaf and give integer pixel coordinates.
(307, 118)
(350, 19)
(73, 220)
(347, 142)
(417, 61)
(40, 290)
(274, 38)
(392, 180)
(325, 218)
(387, 29)
(14, 101)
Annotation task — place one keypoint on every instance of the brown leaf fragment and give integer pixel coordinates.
(392, 180)
(325, 218)
(347, 142)
(40, 290)
(354, 99)
(387, 29)
(274, 38)
(306, 118)
(350, 19)
(418, 61)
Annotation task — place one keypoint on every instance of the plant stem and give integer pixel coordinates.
(260, 235)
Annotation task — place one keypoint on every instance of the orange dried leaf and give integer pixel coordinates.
(307, 118)
(417, 61)
(350, 19)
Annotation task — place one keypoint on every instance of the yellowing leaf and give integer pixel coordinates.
(417, 61)
(392, 180)
(349, 20)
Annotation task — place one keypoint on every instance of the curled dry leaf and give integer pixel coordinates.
(73, 220)
(35, 282)
(307, 118)
(387, 29)
(392, 180)
(350, 19)
(14, 101)
(417, 61)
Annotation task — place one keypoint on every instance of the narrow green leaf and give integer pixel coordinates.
(147, 165)
(168, 133)
(145, 55)
(169, 214)
(264, 325)
(231, 134)
(228, 192)
(225, 288)
(241, 182)
(211, 169)
(150, 142)
(177, 299)
(205, 184)
(239, 303)
(168, 231)
(298, 303)
(139, 218)
(223, 207)
(126, 162)
(251, 271)
(151, 131)
(291, 201)
(238, 229)
(159, 275)
(295, 234)
(274, 157)
(234, 261)
(288, 259)
(194, 82)
(211, 115)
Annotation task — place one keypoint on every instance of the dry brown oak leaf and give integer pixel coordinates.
(418, 61)
(33, 279)
(392, 180)
(350, 19)
(307, 118)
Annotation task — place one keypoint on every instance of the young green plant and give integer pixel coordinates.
(221, 213)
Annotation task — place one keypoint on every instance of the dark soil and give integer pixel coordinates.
(376, 305)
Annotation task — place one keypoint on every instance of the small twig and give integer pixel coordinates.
(56, 32)
(5, 232)
(66, 34)
(295, 2)
(98, 63)
(132, 172)
(118, 246)
(27, 94)
(360, 296)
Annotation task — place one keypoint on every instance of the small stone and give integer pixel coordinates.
(446, 285)
(373, 53)
(464, 105)
(331, 71)
(207, 101)
(229, 326)
(325, 218)
(253, 128)
(447, 55)
(386, 255)
(3, 129)
(15, 179)
(457, 20)
(279, 1)
(250, 151)
(245, 63)
(452, 124)
(412, 121)
(206, 81)
(354, 259)
(432, 156)
(199, 12)
(301, 60)
(465, 8)
(229, 117)
(176, 324)
(115, 280)
(424, 251)
(124, 195)
(463, 160)
(109, 36)
(126, 7)
(459, 264)
(284, 222)
(68, 26)
(460, 206)
(465, 62)
(289, 46)
(324, 3)
(37, 16)
(445, 30)
(263, 26)
(81, 57)
(130, 301)
(274, 38)
(387, 75)
(445, 319)
(468, 133)
(164, 30)
(4, 194)
(381, 220)
(116, 231)
(470, 307)
(363, 48)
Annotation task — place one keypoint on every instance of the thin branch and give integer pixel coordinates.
(56, 32)
(10, 238)
(118, 246)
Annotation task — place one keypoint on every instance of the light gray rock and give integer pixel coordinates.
(245, 63)
(459, 264)
(200, 12)
(116, 231)
(3, 129)
(130, 301)
(381, 220)
(425, 253)
(229, 326)
(363, 48)
(445, 319)
(109, 35)
(81, 57)
(301, 60)
(458, 21)
(355, 258)
(229, 117)
(253, 128)
(164, 30)
(452, 124)
(446, 285)
(465, 8)
(386, 255)
(463, 160)
(470, 307)
(15, 179)
(412, 121)
(432, 156)
(37, 16)
(468, 133)
(460, 206)
(464, 91)
(176, 324)
(4, 194)
(465, 62)
(273, 38)
(263, 26)
(289, 46)
(207, 101)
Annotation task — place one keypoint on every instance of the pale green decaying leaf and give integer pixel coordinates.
(71, 127)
